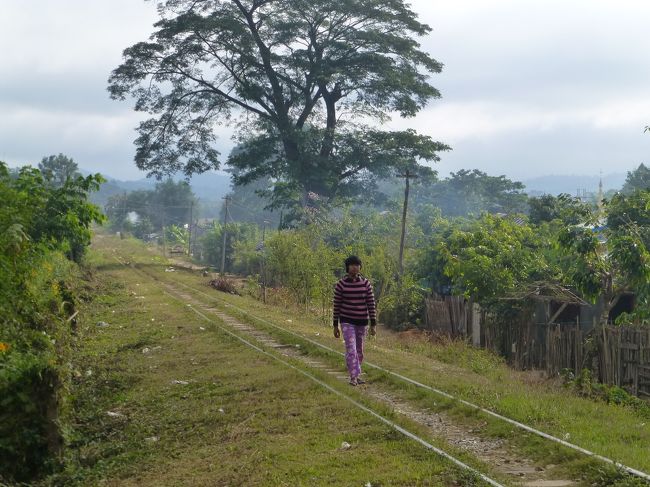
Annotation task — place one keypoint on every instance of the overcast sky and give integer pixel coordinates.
(529, 88)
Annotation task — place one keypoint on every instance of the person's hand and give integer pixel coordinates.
(337, 332)
(373, 329)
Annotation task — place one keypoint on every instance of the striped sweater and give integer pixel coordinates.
(354, 301)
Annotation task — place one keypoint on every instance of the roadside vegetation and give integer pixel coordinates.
(44, 232)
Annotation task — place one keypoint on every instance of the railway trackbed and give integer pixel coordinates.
(493, 456)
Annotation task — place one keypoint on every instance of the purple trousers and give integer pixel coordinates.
(353, 336)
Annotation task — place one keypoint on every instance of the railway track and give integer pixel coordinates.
(285, 353)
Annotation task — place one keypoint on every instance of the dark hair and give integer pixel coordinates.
(353, 259)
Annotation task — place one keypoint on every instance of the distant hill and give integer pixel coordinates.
(571, 184)
(209, 186)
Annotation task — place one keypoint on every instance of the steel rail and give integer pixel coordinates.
(331, 389)
(630, 470)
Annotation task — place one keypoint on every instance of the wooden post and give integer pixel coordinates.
(223, 243)
(476, 325)
(189, 239)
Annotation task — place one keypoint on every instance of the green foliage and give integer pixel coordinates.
(241, 244)
(58, 169)
(170, 203)
(493, 258)
(466, 193)
(43, 228)
(568, 209)
(59, 217)
(403, 308)
(585, 385)
(636, 180)
(29, 388)
(607, 262)
(430, 261)
(177, 235)
(33, 305)
(304, 78)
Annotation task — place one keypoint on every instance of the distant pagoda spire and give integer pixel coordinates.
(601, 196)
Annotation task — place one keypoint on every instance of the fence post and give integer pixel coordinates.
(476, 325)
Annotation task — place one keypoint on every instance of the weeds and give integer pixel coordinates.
(584, 385)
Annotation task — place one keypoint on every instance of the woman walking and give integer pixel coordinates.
(354, 305)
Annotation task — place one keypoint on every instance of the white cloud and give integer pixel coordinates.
(70, 36)
(527, 86)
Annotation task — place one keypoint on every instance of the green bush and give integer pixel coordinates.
(44, 231)
(30, 439)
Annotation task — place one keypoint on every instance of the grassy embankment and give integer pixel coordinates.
(241, 419)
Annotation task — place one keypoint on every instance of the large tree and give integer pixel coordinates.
(472, 192)
(568, 209)
(170, 203)
(637, 179)
(58, 169)
(607, 262)
(304, 80)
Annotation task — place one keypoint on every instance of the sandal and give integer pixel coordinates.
(353, 381)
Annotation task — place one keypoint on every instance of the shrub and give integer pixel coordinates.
(43, 229)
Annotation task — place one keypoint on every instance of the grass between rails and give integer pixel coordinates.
(617, 432)
(241, 418)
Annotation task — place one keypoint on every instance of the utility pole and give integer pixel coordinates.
(407, 176)
(164, 238)
(123, 216)
(189, 238)
(264, 262)
(223, 243)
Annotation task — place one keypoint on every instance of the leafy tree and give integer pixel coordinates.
(605, 263)
(637, 179)
(119, 206)
(59, 217)
(169, 203)
(304, 79)
(472, 192)
(172, 201)
(58, 169)
(564, 207)
(237, 234)
(493, 258)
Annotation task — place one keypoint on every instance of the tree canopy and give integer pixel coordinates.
(637, 179)
(472, 192)
(169, 203)
(58, 169)
(564, 207)
(302, 80)
(606, 262)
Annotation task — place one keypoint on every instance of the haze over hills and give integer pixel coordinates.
(571, 184)
(209, 186)
(212, 186)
